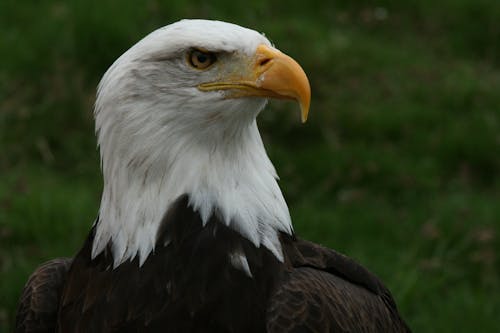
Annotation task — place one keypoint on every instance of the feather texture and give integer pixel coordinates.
(192, 285)
(39, 301)
(161, 137)
(193, 232)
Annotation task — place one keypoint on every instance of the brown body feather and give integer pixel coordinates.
(191, 285)
(39, 302)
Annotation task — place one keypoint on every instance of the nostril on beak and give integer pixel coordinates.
(264, 61)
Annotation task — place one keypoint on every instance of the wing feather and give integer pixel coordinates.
(326, 291)
(312, 300)
(39, 302)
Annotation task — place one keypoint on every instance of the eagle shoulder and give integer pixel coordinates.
(39, 301)
(326, 291)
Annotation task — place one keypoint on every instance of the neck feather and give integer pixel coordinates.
(234, 179)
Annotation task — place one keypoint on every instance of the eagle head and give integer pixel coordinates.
(175, 115)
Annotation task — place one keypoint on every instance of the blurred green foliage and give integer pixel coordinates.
(398, 166)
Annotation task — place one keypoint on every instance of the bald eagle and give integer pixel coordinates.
(193, 233)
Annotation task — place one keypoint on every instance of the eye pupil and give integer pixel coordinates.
(201, 59)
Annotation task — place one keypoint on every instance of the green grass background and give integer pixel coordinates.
(397, 167)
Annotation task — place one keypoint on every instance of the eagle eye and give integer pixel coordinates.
(201, 59)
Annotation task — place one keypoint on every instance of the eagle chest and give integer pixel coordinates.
(198, 279)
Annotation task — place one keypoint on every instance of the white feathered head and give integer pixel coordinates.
(175, 115)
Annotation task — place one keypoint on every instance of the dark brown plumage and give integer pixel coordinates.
(39, 302)
(326, 291)
(190, 285)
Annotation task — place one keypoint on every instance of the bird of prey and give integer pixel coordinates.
(193, 233)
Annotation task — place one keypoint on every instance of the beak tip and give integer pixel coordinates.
(303, 118)
(304, 112)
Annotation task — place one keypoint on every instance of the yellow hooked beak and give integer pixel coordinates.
(271, 74)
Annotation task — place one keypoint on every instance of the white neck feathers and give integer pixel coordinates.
(230, 173)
